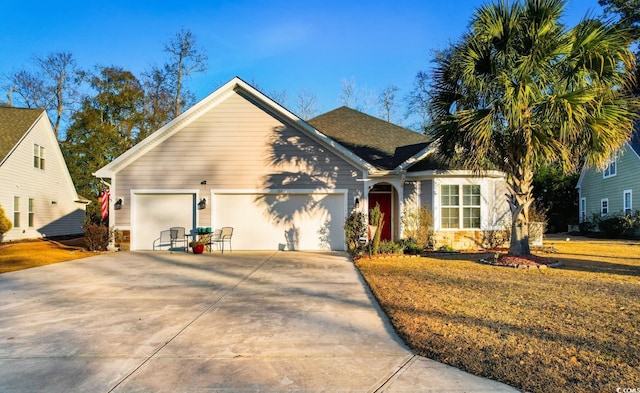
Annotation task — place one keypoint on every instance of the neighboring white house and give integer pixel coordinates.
(36, 190)
(239, 159)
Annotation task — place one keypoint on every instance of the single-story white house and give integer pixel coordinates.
(36, 190)
(237, 158)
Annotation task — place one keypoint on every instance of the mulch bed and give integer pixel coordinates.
(522, 261)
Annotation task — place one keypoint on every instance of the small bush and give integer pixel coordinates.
(96, 237)
(446, 248)
(585, 227)
(618, 226)
(5, 223)
(389, 247)
(410, 246)
(417, 224)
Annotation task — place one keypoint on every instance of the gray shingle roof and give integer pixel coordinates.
(14, 123)
(380, 143)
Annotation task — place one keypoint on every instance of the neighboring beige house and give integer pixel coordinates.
(239, 159)
(36, 190)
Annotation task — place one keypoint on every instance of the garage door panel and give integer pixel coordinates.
(282, 221)
(154, 213)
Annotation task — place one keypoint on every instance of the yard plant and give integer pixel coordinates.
(520, 90)
(573, 329)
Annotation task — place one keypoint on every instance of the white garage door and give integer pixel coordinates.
(153, 213)
(282, 221)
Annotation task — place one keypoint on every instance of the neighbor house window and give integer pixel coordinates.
(16, 212)
(627, 201)
(604, 207)
(453, 207)
(31, 212)
(450, 201)
(583, 209)
(610, 170)
(38, 156)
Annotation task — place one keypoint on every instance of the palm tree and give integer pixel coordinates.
(520, 90)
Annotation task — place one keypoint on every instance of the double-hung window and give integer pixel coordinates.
(471, 206)
(450, 201)
(457, 212)
(16, 212)
(604, 207)
(38, 156)
(32, 212)
(583, 209)
(627, 202)
(610, 170)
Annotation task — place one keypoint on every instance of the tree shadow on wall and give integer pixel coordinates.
(297, 163)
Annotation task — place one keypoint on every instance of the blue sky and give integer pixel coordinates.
(279, 45)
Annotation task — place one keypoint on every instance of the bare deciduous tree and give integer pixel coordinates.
(306, 104)
(418, 101)
(185, 59)
(387, 102)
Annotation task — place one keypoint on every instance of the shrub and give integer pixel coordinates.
(5, 223)
(96, 237)
(618, 226)
(410, 246)
(354, 228)
(417, 223)
(585, 227)
(389, 247)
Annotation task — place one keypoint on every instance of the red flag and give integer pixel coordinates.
(104, 207)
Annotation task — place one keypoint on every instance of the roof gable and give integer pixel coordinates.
(380, 143)
(236, 85)
(14, 124)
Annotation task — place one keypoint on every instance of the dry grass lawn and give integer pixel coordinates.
(24, 255)
(573, 329)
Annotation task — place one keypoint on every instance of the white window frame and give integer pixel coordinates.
(38, 156)
(604, 210)
(31, 213)
(627, 209)
(583, 209)
(611, 170)
(16, 211)
(460, 206)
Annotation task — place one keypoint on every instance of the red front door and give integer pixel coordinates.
(384, 199)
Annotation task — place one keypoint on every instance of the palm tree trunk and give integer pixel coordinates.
(520, 199)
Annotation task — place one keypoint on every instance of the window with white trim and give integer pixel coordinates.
(610, 170)
(16, 212)
(453, 208)
(471, 206)
(38, 156)
(583, 209)
(627, 202)
(604, 207)
(31, 212)
(450, 210)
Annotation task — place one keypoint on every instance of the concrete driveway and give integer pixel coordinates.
(162, 322)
